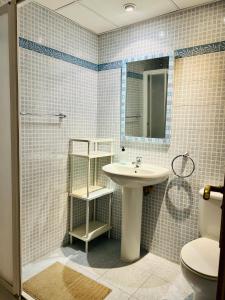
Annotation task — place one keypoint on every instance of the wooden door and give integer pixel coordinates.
(221, 276)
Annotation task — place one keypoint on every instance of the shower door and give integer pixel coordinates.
(155, 95)
(9, 152)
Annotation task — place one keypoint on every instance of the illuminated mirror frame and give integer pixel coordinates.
(167, 138)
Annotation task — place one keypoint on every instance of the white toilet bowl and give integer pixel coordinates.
(200, 258)
(199, 265)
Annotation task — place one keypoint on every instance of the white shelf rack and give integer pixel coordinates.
(95, 229)
(94, 192)
(93, 154)
(90, 150)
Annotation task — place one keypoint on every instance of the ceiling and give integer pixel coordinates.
(101, 16)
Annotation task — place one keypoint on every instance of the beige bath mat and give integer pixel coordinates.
(59, 282)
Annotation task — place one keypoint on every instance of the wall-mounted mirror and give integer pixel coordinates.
(146, 99)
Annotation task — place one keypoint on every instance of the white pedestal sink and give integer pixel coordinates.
(132, 180)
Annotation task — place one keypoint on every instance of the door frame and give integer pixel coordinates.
(10, 8)
(221, 275)
(15, 289)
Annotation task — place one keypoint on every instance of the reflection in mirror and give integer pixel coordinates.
(146, 98)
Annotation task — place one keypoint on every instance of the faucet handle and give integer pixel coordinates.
(139, 158)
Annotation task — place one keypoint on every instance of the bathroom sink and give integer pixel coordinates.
(133, 177)
(128, 175)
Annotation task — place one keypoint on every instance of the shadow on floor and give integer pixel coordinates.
(103, 253)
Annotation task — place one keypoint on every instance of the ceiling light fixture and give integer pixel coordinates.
(129, 7)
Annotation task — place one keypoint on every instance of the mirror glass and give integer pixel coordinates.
(146, 98)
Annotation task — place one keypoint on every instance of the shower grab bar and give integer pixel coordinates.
(59, 115)
(135, 116)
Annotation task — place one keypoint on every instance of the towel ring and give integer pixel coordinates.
(185, 155)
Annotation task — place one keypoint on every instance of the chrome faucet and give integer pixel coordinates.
(138, 162)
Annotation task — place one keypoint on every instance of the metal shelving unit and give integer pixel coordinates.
(91, 150)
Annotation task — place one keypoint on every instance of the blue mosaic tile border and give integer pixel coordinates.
(180, 53)
(134, 75)
(29, 45)
(110, 66)
(51, 52)
(199, 50)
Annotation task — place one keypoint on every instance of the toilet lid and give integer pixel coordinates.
(202, 256)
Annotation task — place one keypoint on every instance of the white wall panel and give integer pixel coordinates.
(6, 269)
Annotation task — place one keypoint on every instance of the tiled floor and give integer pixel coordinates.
(150, 278)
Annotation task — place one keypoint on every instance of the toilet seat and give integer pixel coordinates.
(202, 257)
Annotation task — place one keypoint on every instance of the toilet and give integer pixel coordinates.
(199, 258)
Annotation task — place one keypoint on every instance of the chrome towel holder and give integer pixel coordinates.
(59, 115)
(184, 156)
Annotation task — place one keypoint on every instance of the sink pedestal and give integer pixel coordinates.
(132, 199)
(133, 180)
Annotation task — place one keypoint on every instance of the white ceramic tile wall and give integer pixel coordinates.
(170, 211)
(48, 85)
(173, 31)
(43, 26)
(91, 101)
